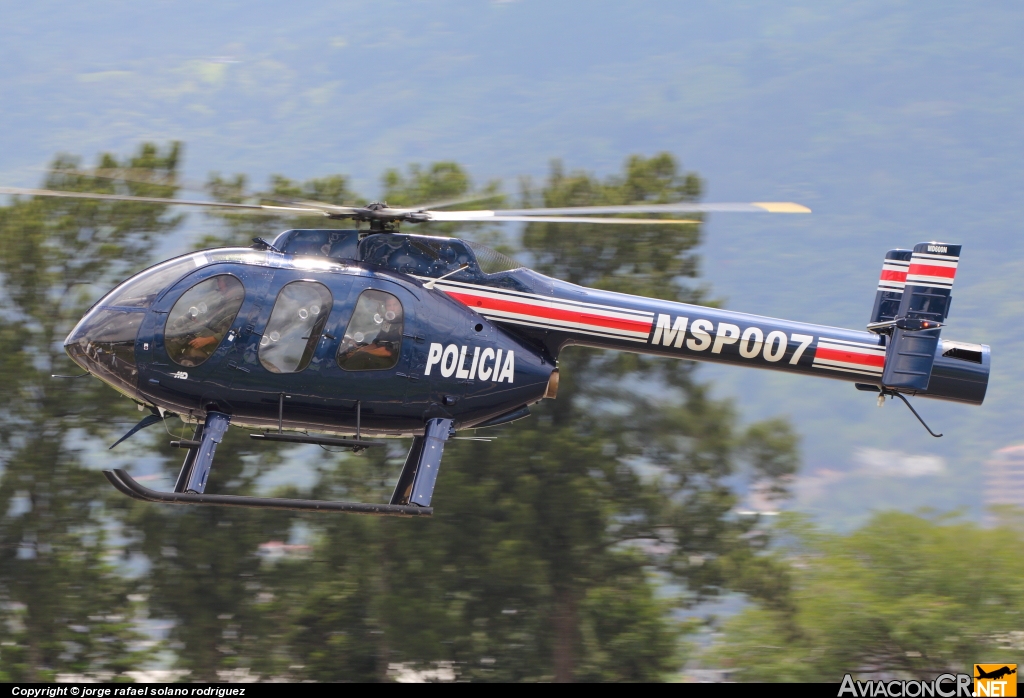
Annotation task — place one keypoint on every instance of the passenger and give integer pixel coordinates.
(373, 338)
(389, 340)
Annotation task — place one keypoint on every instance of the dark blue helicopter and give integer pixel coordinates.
(355, 333)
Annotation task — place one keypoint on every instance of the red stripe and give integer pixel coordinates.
(485, 303)
(929, 270)
(893, 275)
(850, 357)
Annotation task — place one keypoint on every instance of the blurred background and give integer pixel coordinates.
(659, 521)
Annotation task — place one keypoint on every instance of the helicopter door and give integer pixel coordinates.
(279, 372)
(371, 359)
(190, 331)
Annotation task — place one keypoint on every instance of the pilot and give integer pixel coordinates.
(212, 323)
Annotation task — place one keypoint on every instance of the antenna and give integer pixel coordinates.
(430, 284)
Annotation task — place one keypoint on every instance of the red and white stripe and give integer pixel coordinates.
(533, 310)
(894, 275)
(932, 270)
(849, 357)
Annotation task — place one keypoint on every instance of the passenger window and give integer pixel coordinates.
(295, 326)
(199, 320)
(373, 338)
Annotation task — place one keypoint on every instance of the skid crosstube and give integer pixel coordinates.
(124, 483)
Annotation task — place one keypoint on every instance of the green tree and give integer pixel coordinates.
(903, 595)
(537, 562)
(64, 606)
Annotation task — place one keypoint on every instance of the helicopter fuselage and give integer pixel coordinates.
(332, 330)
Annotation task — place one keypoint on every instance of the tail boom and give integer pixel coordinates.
(558, 314)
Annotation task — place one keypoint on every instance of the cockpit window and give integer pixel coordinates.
(142, 289)
(373, 338)
(199, 320)
(296, 323)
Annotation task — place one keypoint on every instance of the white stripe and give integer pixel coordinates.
(534, 323)
(894, 286)
(859, 370)
(840, 362)
(500, 292)
(824, 341)
(554, 305)
(935, 259)
(944, 287)
(895, 266)
(565, 324)
(930, 281)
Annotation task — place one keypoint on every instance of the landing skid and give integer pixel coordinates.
(411, 497)
(128, 486)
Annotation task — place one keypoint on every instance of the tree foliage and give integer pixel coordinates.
(902, 596)
(541, 560)
(65, 607)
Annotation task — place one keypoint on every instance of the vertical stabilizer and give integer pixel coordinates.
(890, 285)
(926, 298)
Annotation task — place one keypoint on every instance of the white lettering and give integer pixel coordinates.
(451, 355)
(433, 356)
(509, 369)
(938, 248)
(676, 334)
(727, 334)
(805, 341)
(485, 372)
(701, 339)
(749, 349)
(497, 362)
(769, 355)
(847, 679)
(476, 361)
(183, 375)
(461, 372)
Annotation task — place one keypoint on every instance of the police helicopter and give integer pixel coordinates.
(332, 336)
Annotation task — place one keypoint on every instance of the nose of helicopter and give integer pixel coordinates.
(103, 343)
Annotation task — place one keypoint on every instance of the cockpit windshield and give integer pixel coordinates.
(142, 289)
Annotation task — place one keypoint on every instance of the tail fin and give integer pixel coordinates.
(926, 296)
(890, 285)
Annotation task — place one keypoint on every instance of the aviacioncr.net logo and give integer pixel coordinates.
(944, 686)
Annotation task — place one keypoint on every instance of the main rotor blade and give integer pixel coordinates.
(155, 200)
(576, 219)
(756, 207)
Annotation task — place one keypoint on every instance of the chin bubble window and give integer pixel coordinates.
(202, 316)
(296, 324)
(373, 338)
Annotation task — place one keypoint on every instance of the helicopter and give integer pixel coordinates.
(348, 337)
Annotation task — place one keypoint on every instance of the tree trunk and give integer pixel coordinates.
(565, 636)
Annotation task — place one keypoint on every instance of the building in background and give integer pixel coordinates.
(1004, 478)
